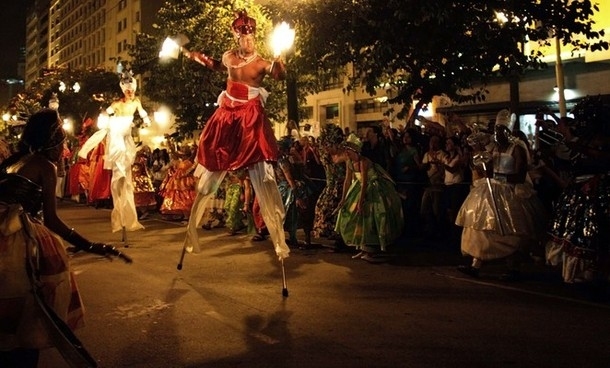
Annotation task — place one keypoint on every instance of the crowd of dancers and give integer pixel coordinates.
(484, 190)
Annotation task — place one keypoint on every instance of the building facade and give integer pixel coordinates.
(87, 34)
(585, 73)
(82, 34)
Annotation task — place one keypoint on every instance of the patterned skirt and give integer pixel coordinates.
(21, 321)
(379, 223)
(580, 229)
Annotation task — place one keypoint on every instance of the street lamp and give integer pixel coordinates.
(162, 117)
(63, 88)
(68, 126)
(560, 80)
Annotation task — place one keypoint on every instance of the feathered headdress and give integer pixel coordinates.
(353, 143)
(505, 118)
(285, 143)
(128, 82)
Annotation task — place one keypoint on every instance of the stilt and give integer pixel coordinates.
(284, 287)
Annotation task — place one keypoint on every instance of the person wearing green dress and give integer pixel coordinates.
(370, 214)
(235, 206)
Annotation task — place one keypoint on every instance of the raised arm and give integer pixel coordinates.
(204, 60)
(276, 69)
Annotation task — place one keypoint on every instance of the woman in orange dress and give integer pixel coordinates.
(178, 188)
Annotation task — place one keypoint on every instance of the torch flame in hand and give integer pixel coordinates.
(282, 38)
(170, 49)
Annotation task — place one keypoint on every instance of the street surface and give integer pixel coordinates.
(225, 308)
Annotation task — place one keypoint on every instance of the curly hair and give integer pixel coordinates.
(42, 131)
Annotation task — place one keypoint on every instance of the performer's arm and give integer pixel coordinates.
(347, 182)
(204, 60)
(277, 69)
(520, 157)
(247, 194)
(143, 114)
(110, 110)
(364, 182)
(52, 221)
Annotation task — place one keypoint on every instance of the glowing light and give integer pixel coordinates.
(162, 116)
(502, 18)
(76, 87)
(157, 141)
(62, 87)
(569, 94)
(102, 121)
(170, 49)
(68, 126)
(282, 38)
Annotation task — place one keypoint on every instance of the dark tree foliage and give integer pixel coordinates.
(421, 49)
(98, 88)
(187, 87)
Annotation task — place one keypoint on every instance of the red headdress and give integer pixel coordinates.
(243, 24)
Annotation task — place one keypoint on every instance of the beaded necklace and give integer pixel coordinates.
(245, 60)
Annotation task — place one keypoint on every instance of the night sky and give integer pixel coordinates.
(12, 35)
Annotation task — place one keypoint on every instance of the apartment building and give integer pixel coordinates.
(36, 39)
(83, 33)
(96, 33)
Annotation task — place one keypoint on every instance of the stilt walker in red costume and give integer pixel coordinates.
(239, 135)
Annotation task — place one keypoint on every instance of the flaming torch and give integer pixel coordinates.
(282, 39)
(172, 47)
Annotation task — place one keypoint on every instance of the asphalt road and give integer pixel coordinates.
(225, 307)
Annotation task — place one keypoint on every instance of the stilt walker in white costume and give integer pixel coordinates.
(115, 127)
(239, 135)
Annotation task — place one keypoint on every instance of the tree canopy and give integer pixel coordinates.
(188, 88)
(97, 88)
(421, 49)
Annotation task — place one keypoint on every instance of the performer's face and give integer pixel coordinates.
(501, 134)
(352, 155)
(129, 93)
(54, 153)
(246, 43)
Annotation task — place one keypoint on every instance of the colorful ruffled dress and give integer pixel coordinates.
(178, 190)
(22, 233)
(580, 228)
(520, 222)
(381, 220)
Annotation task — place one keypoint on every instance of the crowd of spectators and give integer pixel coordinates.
(431, 173)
